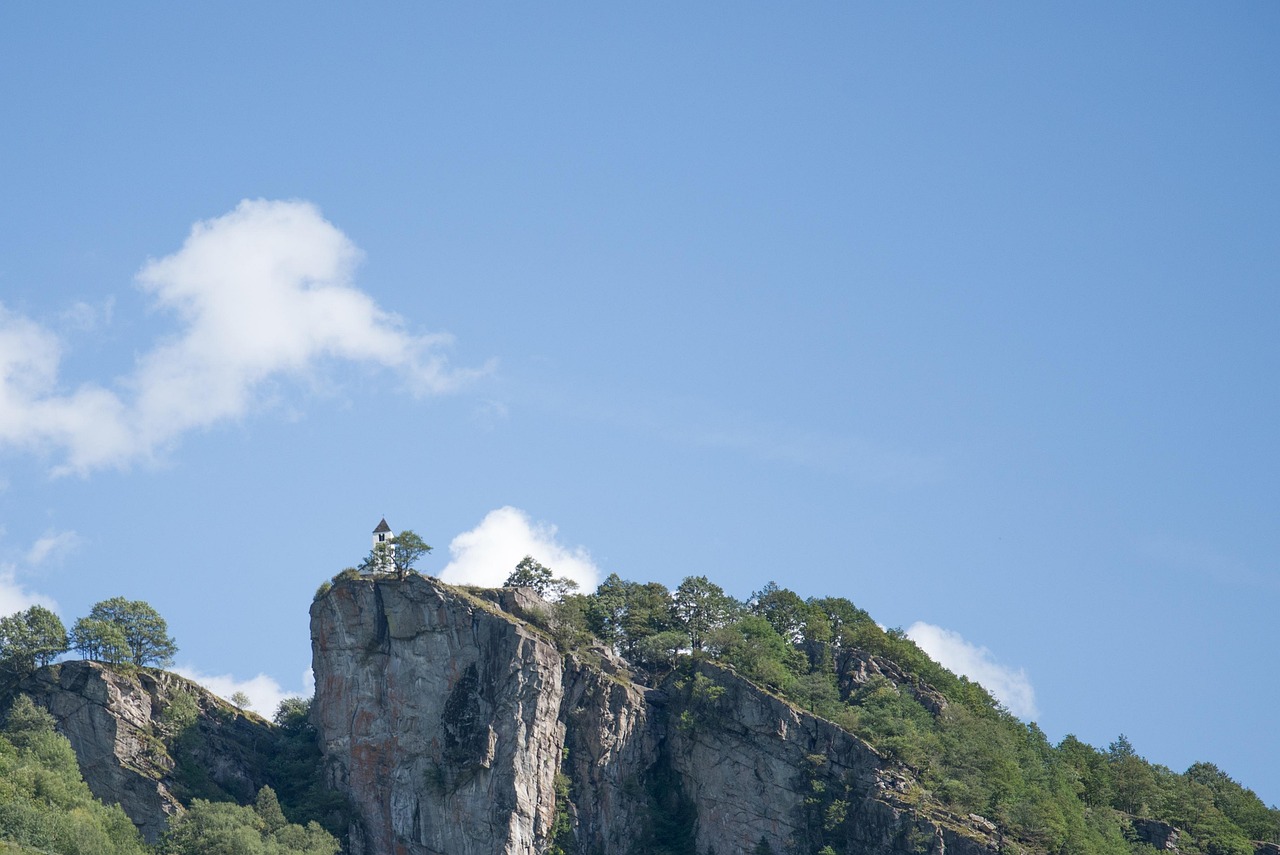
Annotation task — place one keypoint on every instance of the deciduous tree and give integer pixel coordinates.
(29, 639)
(146, 634)
(408, 548)
(699, 606)
(100, 640)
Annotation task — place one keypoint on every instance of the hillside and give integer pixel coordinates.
(629, 720)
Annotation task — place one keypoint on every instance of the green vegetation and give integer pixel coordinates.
(44, 803)
(146, 635)
(28, 640)
(397, 555)
(295, 770)
(530, 573)
(963, 748)
(45, 806)
(965, 754)
(212, 828)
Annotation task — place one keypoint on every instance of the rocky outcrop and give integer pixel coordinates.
(456, 726)
(860, 667)
(439, 719)
(1158, 835)
(140, 745)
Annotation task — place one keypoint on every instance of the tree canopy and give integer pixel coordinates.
(398, 555)
(30, 639)
(531, 573)
(145, 634)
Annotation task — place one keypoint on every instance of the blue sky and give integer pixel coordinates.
(968, 315)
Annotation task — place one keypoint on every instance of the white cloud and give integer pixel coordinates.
(15, 598)
(1011, 687)
(52, 547)
(262, 292)
(488, 553)
(264, 692)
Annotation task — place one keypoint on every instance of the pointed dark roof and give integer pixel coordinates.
(382, 526)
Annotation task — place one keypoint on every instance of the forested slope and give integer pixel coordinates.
(830, 657)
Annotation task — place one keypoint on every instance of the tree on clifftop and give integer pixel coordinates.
(99, 640)
(29, 639)
(408, 549)
(531, 573)
(398, 554)
(146, 634)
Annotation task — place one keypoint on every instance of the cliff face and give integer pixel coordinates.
(439, 720)
(456, 727)
(140, 745)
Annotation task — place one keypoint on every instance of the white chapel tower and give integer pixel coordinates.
(383, 534)
(384, 550)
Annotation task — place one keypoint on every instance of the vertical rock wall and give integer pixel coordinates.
(439, 719)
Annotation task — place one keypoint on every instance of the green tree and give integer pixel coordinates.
(408, 547)
(239, 700)
(293, 713)
(530, 573)
(146, 634)
(267, 807)
(100, 640)
(379, 560)
(29, 639)
(1133, 782)
(699, 606)
(45, 805)
(626, 613)
(1092, 773)
(607, 608)
(1239, 804)
(783, 609)
(223, 828)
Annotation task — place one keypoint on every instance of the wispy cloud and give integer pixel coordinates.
(84, 317)
(696, 423)
(53, 546)
(488, 553)
(48, 549)
(1010, 686)
(1205, 562)
(264, 692)
(260, 293)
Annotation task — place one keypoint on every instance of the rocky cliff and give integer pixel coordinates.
(150, 740)
(456, 727)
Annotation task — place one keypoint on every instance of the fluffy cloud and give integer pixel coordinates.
(14, 597)
(262, 292)
(1012, 688)
(264, 692)
(488, 553)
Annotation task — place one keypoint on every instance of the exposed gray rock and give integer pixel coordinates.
(439, 718)
(861, 666)
(1160, 835)
(126, 748)
(107, 717)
